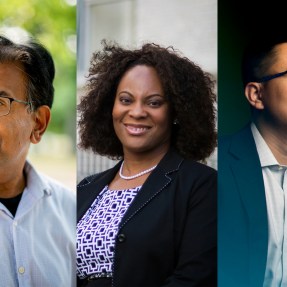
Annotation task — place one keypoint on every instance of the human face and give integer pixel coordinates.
(274, 93)
(17, 126)
(141, 113)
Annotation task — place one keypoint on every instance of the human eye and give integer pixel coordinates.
(155, 103)
(3, 101)
(125, 100)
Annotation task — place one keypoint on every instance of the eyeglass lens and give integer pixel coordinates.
(5, 105)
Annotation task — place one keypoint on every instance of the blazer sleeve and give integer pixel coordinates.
(197, 254)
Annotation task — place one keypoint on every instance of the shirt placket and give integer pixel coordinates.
(20, 265)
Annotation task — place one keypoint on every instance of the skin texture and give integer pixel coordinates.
(17, 130)
(270, 102)
(141, 119)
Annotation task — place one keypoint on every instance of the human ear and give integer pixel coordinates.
(253, 94)
(41, 120)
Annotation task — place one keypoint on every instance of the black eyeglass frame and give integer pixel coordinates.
(17, 101)
(271, 77)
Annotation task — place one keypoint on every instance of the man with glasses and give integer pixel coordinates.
(252, 164)
(37, 214)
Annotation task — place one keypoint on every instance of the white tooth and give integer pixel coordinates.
(135, 129)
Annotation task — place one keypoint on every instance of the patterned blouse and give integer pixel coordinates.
(97, 230)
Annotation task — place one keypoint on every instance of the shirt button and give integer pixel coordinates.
(15, 223)
(121, 238)
(21, 270)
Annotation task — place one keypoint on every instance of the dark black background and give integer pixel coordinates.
(238, 23)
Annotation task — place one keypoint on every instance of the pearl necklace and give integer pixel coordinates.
(136, 175)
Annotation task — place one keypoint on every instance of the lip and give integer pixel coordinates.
(136, 130)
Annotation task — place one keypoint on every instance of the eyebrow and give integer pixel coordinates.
(149, 96)
(3, 94)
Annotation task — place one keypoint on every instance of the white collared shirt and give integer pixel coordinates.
(275, 182)
(37, 246)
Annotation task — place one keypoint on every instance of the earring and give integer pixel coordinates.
(175, 122)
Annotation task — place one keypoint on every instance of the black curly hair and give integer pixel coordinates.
(188, 89)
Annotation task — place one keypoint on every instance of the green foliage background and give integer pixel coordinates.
(53, 23)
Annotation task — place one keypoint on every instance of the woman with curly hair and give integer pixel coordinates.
(150, 220)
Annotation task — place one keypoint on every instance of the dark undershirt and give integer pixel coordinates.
(12, 203)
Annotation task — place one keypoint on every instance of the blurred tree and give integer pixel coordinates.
(53, 23)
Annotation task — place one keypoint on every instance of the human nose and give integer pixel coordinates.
(137, 110)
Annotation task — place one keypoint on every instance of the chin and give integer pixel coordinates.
(137, 148)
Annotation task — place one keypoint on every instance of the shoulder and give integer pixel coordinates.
(59, 190)
(93, 178)
(102, 177)
(194, 177)
(58, 200)
(186, 170)
(238, 145)
(37, 182)
(242, 134)
(196, 182)
(198, 169)
(175, 162)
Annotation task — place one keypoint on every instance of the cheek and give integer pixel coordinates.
(276, 101)
(166, 116)
(115, 112)
(163, 120)
(14, 138)
(23, 128)
(116, 119)
(15, 132)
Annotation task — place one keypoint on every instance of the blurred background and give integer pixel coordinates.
(190, 26)
(235, 25)
(53, 23)
(238, 24)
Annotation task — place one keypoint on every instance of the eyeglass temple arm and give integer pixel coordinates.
(268, 78)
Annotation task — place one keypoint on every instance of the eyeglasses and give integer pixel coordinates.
(270, 77)
(5, 104)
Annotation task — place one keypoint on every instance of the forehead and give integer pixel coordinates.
(141, 76)
(280, 63)
(12, 80)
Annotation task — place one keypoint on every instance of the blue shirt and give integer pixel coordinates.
(37, 246)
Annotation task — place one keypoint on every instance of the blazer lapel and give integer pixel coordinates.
(156, 182)
(247, 171)
(160, 178)
(86, 194)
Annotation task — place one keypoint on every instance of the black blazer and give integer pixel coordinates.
(168, 235)
(242, 213)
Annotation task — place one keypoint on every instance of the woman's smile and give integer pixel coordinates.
(141, 113)
(136, 130)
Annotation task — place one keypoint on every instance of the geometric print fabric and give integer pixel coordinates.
(97, 230)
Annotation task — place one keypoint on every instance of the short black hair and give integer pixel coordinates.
(38, 66)
(259, 55)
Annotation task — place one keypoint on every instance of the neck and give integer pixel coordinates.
(137, 162)
(276, 139)
(13, 186)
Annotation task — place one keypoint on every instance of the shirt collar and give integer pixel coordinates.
(265, 154)
(35, 183)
